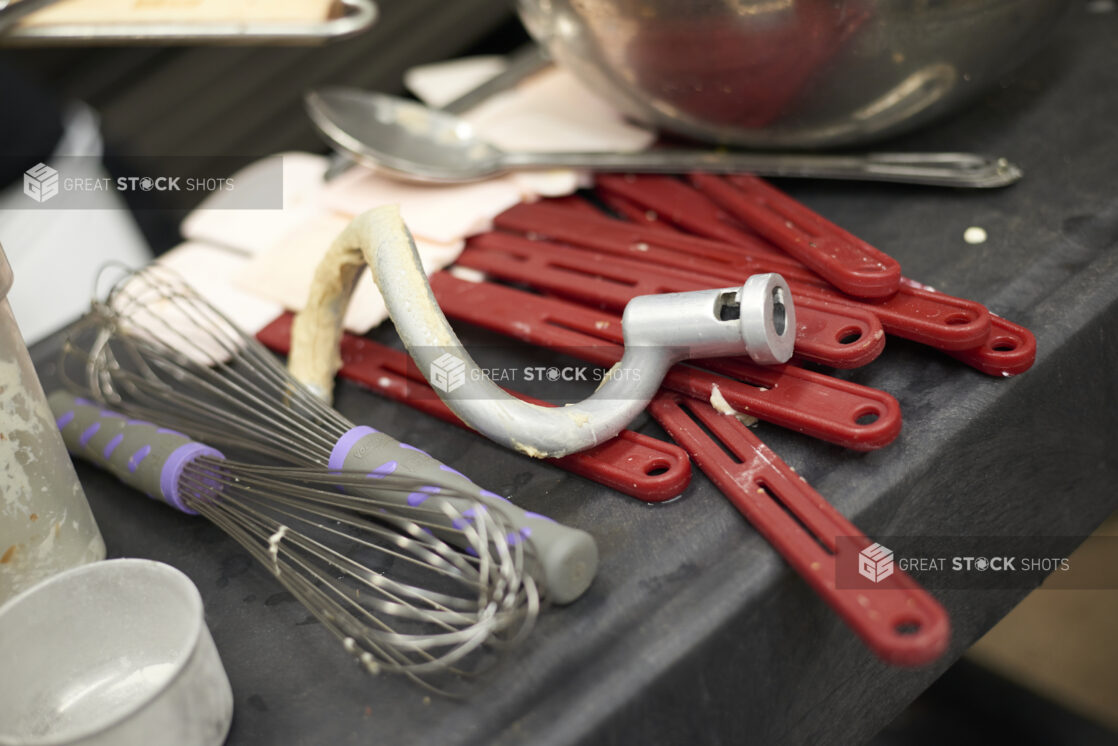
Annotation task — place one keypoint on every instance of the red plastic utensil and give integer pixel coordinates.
(828, 333)
(637, 465)
(676, 202)
(1009, 350)
(821, 406)
(548, 220)
(914, 311)
(730, 209)
(630, 210)
(843, 259)
(924, 316)
(895, 617)
(575, 202)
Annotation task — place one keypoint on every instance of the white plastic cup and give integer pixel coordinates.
(113, 653)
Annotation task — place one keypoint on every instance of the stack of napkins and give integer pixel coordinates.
(252, 263)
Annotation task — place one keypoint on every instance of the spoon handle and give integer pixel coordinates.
(933, 169)
(522, 64)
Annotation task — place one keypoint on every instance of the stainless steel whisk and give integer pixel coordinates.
(160, 352)
(392, 589)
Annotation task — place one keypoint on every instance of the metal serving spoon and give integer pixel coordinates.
(417, 143)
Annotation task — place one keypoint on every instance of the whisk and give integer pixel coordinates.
(161, 352)
(397, 595)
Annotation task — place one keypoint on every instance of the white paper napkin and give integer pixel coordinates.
(210, 270)
(548, 111)
(253, 231)
(283, 273)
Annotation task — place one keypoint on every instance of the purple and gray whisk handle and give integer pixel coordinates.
(152, 459)
(567, 557)
(141, 454)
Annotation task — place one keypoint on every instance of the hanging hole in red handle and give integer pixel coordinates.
(866, 416)
(848, 335)
(1004, 344)
(907, 627)
(656, 468)
(957, 319)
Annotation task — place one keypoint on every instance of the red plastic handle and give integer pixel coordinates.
(634, 464)
(676, 203)
(821, 406)
(630, 210)
(828, 333)
(914, 312)
(575, 202)
(730, 209)
(856, 416)
(924, 316)
(549, 220)
(896, 618)
(843, 259)
(1009, 350)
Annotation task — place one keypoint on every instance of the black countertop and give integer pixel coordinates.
(694, 630)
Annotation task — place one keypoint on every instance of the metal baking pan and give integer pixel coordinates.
(353, 17)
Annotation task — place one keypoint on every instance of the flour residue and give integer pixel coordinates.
(718, 401)
(45, 524)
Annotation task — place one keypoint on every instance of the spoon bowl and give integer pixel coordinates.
(408, 139)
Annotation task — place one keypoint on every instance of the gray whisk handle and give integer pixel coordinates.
(568, 557)
(141, 454)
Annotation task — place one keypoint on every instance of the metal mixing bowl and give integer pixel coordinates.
(789, 73)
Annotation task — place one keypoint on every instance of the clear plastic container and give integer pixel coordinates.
(46, 525)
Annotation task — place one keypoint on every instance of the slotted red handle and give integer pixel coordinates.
(637, 465)
(578, 228)
(846, 261)
(821, 406)
(829, 333)
(675, 202)
(630, 210)
(898, 620)
(932, 318)
(730, 208)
